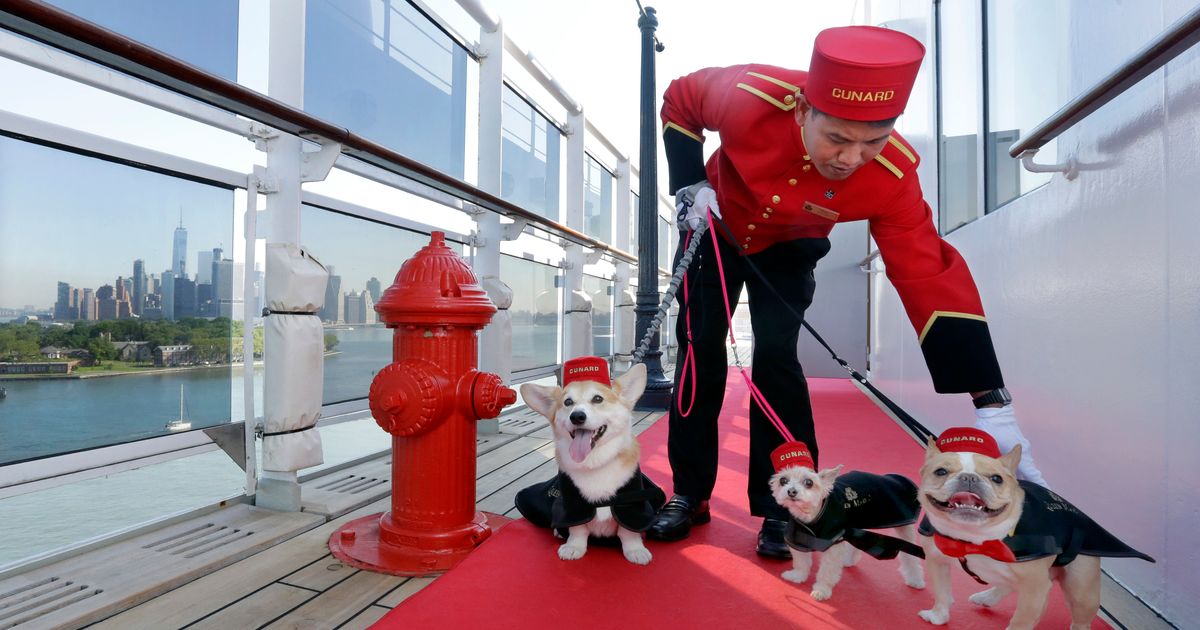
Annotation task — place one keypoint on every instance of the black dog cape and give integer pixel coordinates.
(558, 504)
(861, 501)
(1051, 526)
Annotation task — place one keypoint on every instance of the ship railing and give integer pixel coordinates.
(70, 47)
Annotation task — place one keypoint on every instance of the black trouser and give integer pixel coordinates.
(692, 442)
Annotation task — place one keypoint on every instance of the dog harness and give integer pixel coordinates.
(1051, 526)
(860, 501)
(558, 504)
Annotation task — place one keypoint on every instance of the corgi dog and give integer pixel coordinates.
(600, 491)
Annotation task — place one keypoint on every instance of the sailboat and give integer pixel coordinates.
(181, 423)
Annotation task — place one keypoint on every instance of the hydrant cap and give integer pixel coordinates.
(435, 286)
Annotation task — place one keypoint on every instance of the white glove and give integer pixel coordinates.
(693, 203)
(1001, 423)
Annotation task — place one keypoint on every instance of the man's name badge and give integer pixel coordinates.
(824, 213)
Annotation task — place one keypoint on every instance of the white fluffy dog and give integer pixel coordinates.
(830, 511)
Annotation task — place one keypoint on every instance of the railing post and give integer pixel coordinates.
(577, 306)
(495, 342)
(623, 301)
(280, 490)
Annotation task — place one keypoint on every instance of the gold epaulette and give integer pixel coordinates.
(896, 157)
(775, 91)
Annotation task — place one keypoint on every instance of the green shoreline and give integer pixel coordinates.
(67, 377)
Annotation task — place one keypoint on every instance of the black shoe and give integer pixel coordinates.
(674, 521)
(770, 539)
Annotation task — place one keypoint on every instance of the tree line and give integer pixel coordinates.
(211, 339)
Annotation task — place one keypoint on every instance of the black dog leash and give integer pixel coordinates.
(919, 431)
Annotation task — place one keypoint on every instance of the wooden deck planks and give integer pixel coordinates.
(297, 584)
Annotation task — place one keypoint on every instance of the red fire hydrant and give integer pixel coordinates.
(429, 398)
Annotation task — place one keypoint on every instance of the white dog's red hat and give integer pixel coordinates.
(585, 369)
(792, 454)
(968, 440)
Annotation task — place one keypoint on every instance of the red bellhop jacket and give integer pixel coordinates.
(769, 192)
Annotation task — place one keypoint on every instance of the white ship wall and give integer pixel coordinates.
(1092, 291)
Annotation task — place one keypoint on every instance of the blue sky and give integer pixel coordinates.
(83, 221)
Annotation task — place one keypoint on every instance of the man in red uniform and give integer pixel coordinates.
(800, 152)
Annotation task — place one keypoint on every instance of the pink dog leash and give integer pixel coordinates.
(754, 391)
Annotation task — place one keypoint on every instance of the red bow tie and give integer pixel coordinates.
(956, 548)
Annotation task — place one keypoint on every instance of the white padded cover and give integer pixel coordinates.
(294, 347)
(295, 279)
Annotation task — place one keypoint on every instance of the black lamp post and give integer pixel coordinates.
(658, 388)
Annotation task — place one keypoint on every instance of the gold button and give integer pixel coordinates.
(807, 168)
(766, 216)
(745, 247)
(747, 238)
(792, 181)
(776, 199)
(807, 158)
(769, 210)
(751, 226)
(789, 99)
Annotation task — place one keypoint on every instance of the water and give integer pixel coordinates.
(41, 418)
(48, 417)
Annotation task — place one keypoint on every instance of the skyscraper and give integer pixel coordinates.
(228, 278)
(87, 307)
(179, 250)
(106, 303)
(185, 298)
(332, 311)
(168, 295)
(62, 306)
(204, 267)
(140, 282)
(374, 288)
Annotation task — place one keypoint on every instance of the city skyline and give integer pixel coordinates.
(89, 232)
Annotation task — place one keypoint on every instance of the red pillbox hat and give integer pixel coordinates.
(585, 369)
(792, 454)
(862, 72)
(968, 440)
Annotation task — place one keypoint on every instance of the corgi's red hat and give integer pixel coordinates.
(585, 369)
(968, 440)
(792, 454)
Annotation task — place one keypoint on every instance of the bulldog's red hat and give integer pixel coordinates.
(585, 369)
(968, 440)
(862, 72)
(792, 454)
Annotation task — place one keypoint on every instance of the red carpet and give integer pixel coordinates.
(713, 579)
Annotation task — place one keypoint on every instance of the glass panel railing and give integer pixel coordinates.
(1021, 35)
(204, 34)
(107, 332)
(597, 201)
(535, 308)
(601, 292)
(665, 254)
(530, 157)
(34, 523)
(381, 69)
(960, 74)
(363, 258)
